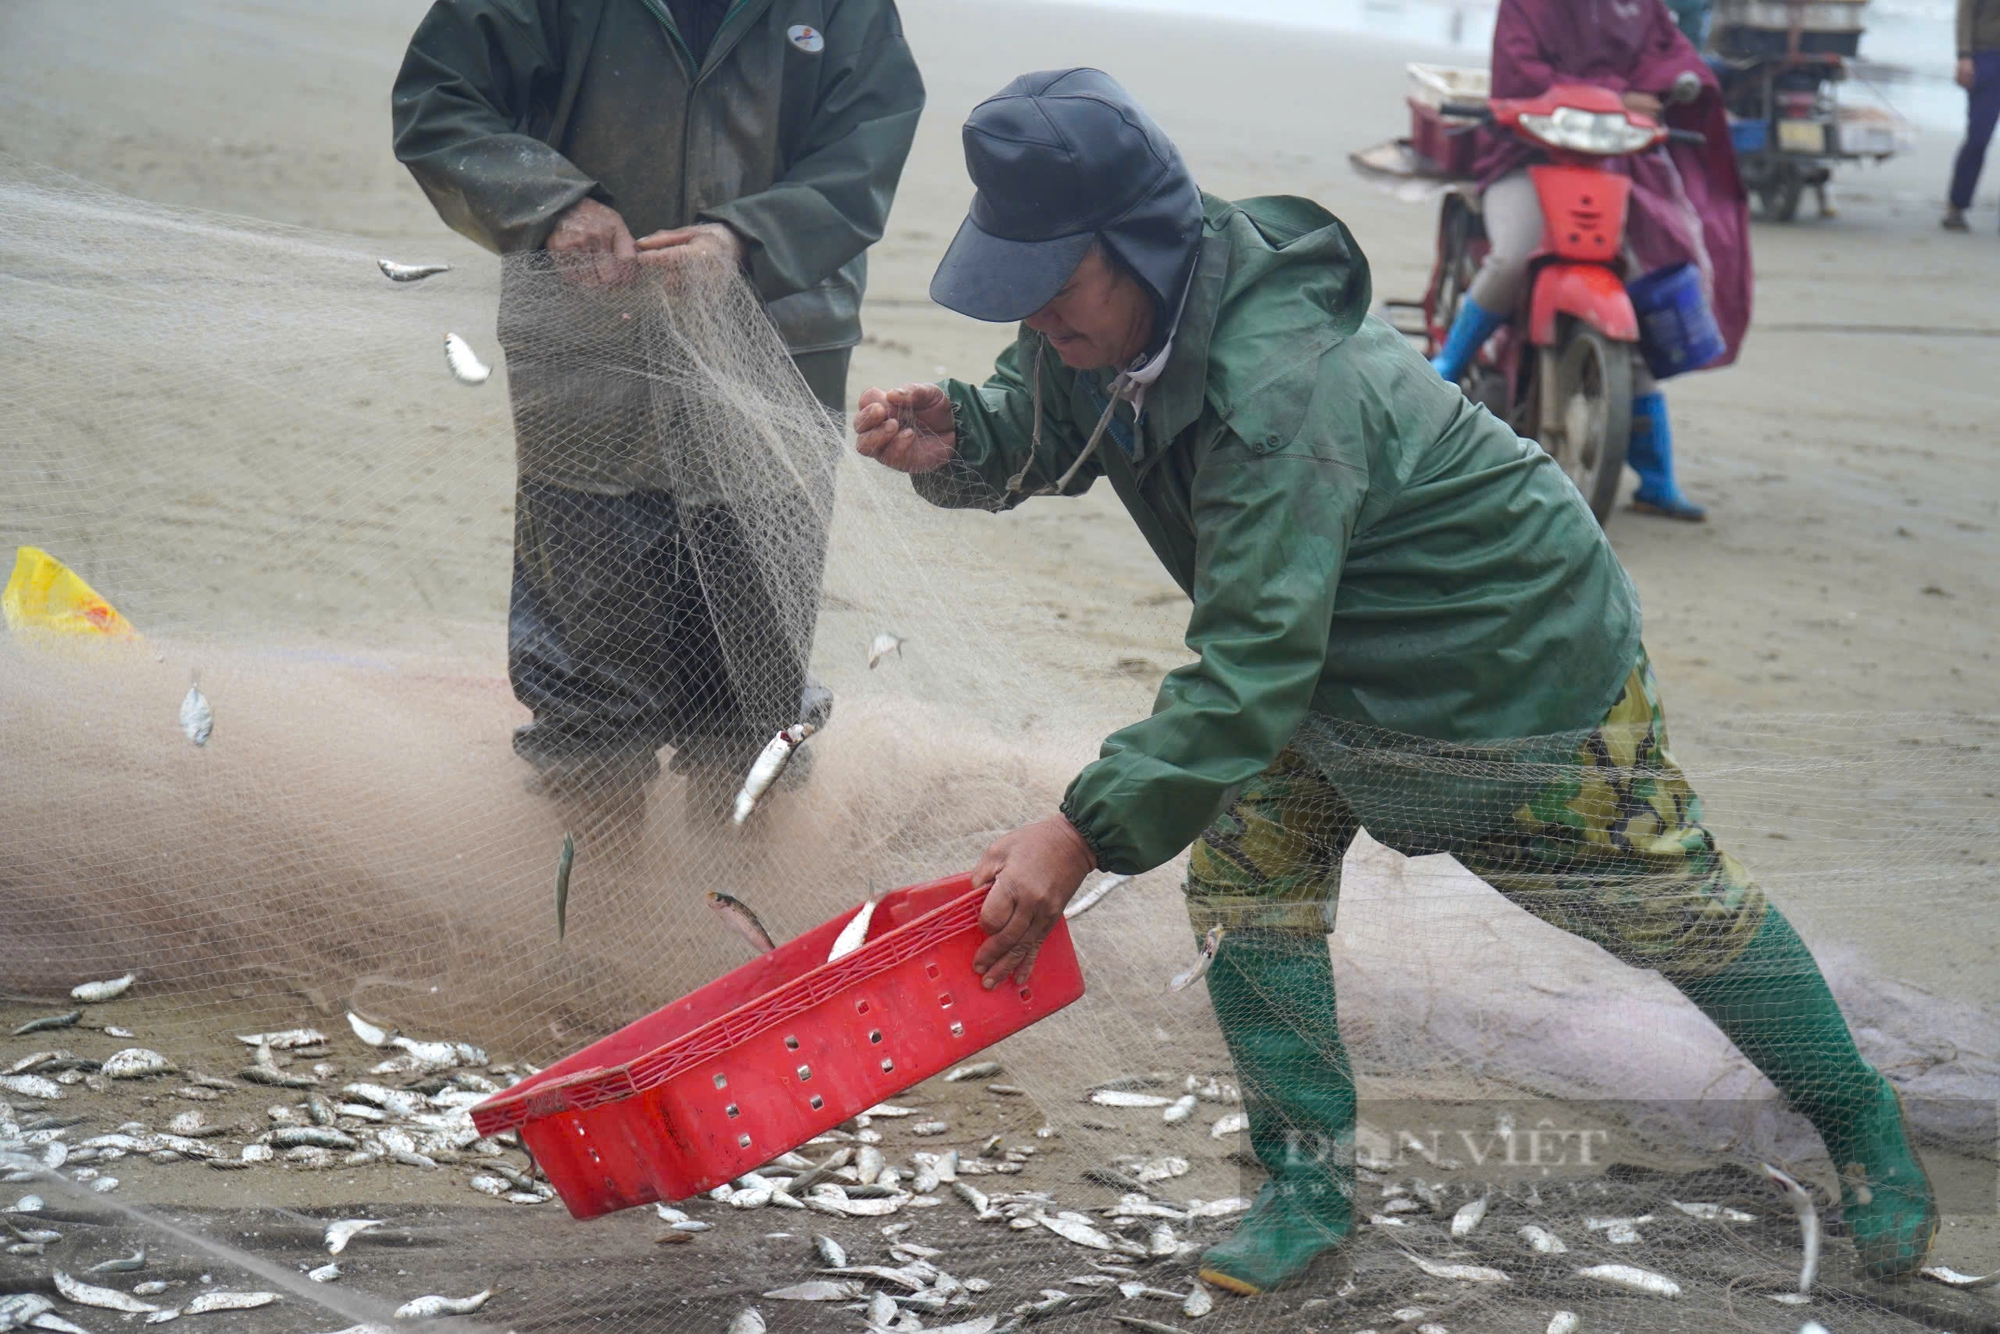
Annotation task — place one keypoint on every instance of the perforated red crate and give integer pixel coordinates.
(766, 1057)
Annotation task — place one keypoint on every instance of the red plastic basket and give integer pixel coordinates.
(766, 1057)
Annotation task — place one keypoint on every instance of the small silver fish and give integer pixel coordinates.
(740, 919)
(854, 933)
(150, 1288)
(426, 1308)
(1230, 1123)
(466, 367)
(1542, 1240)
(829, 1252)
(367, 1032)
(818, 1290)
(409, 273)
(49, 1021)
(1467, 1217)
(94, 992)
(1181, 1110)
(109, 1299)
(563, 865)
(747, 1321)
(1460, 1273)
(339, 1233)
(771, 762)
(324, 1274)
(136, 1063)
(977, 1070)
(31, 1086)
(55, 1324)
(882, 646)
(288, 1039)
(1564, 1322)
(1095, 895)
(136, 1260)
(1952, 1278)
(196, 717)
(1193, 973)
(1127, 1098)
(1633, 1279)
(228, 1301)
(1714, 1213)
(1802, 1205)
(1080, 1234)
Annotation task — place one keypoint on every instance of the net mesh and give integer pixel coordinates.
(252, 446)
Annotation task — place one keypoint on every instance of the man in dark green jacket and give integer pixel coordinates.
(1405, 618)
(590, 141)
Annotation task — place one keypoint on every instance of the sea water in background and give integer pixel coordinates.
(1905, 63)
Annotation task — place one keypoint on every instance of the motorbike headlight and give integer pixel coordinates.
(1607, 133)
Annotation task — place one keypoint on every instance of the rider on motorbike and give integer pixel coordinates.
(1688, 203)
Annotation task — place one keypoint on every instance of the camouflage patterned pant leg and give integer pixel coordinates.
(1615, 851)
(1272, 861)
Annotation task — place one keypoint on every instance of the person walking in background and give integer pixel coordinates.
(1979, 75)
(598, 139)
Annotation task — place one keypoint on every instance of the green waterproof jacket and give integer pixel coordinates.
(1365, 549)
(792, 129)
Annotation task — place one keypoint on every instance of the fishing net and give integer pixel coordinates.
(249, 441)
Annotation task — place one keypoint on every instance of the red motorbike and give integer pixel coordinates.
(1559, 371)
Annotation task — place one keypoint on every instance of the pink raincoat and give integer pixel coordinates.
(1688, 203)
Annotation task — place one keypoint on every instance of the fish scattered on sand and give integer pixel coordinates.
(27, 1204)
(1713, 1213)
(977, 1070)
(1467, 1217)
(409, 273)
(1802, 1205)
(1230, 1123)
(882, 646)
(740, 919)
(286, 1039)
(123, 1265)
(1149, 1326)
(777, 753)
(1182, 1108)
(1081, 1234)
(95, 993)
(136, 1063)
(228, 1301)
(1953, 1278)
(55, 1324)
(324, 1274)
(747, 1321)
(1095, 895)
(429, 1308)
(818, 1290)
(1632, 1279)
(32, 1086)
(1458, 1272)
(49, 1021)
(830, 1252)
(367, 1032)
(196, 717)
(854, 933)
(109, 1299)
(1127, 1098)
(563, 865)
(1564, 1322)
(1542, 1240)
(344, 1230)
(1195, 971)
(1198, 1303)
(466, 367)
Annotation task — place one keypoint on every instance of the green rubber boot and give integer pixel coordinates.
(1774, 1005)
(1273, 996)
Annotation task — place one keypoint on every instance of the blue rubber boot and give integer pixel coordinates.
(1470, 329)
(1651, 454)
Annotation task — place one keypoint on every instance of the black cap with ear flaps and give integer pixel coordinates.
(1061, 158)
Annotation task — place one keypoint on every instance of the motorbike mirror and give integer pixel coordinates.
(1686, 88)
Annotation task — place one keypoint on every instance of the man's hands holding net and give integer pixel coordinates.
(909, 429)
(1030, 876)
(594, 247)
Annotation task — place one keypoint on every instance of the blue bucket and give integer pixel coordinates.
(1677, 330)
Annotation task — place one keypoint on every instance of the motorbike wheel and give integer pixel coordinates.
(1780, 194)
(1587, 412)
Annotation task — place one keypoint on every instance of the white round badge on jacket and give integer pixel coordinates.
(808, 40)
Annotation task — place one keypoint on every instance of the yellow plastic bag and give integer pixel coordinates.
(46, 595)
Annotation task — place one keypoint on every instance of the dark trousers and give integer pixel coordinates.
(639, 622)
(1982, 110)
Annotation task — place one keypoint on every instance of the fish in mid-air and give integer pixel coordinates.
(742, 921)
(1808, 1215)
(409, 273)
(197, 718)
(777, 753)
(563, 865)
(466, 367)
(882, 646)
(854, 934)
(1195, 971)
(1091, 897)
